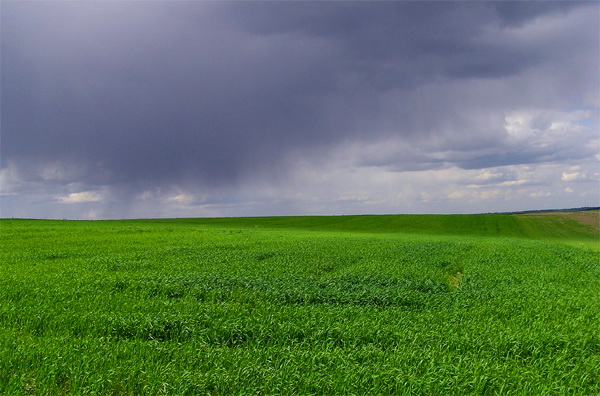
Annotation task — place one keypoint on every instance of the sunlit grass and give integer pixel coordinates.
(247, 306)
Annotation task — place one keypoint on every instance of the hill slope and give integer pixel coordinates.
(577, 226)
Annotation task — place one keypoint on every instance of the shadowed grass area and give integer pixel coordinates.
(312, 305)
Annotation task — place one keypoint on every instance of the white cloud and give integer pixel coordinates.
(550, 129)
(492, 194)
(518, 125)
(514, 182)
(182, 198)
(458, 195)
(538, 194)
(81, 197)
(571, 176)
(488, 174)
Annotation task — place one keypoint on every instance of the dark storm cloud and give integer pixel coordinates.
(138, 93)
(404, 43)
(167, 94)
(516, 13)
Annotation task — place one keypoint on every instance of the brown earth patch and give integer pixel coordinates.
(586, 217)
(454, 281)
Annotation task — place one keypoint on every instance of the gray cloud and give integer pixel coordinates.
(150, 95)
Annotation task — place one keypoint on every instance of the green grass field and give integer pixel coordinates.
(406, 304)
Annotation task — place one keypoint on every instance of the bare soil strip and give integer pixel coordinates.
(586, 217)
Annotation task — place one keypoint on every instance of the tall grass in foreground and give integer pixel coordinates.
(181, 307)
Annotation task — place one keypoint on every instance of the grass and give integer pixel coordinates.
(469, 304)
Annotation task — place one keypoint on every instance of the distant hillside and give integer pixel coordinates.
(582, 209)
(581, 224)
(566, 225)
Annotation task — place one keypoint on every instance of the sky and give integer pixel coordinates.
(127, 109)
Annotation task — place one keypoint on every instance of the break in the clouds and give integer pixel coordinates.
(149, 109)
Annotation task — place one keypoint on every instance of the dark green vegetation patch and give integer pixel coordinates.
(487, 304)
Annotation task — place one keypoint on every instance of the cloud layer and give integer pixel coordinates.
(123, 105)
